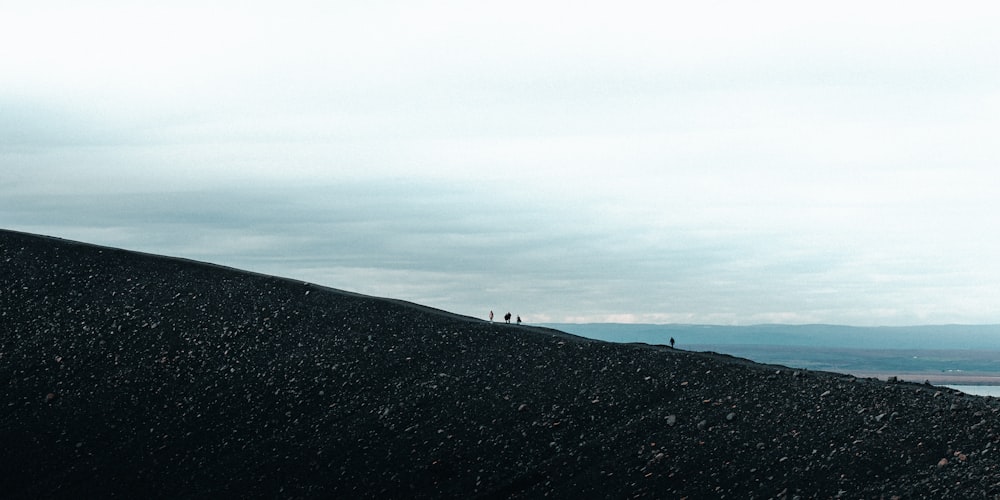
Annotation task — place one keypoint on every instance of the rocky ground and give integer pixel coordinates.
(131, 375)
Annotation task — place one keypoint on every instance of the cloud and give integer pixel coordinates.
(650, 161)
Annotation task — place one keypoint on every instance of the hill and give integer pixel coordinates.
(940, 354)
(922, 337)
(135, 375)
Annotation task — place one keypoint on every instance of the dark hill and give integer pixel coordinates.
(133, 375)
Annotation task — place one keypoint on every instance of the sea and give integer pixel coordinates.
(962, 357)
(978, 390)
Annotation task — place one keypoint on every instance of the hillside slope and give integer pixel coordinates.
(135, 375)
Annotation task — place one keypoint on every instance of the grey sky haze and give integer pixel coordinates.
(697, 162)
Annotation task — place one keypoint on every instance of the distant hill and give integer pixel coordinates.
(133, 375)
(955, 354)
(931, 337)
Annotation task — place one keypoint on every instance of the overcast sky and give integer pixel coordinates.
(691, 162)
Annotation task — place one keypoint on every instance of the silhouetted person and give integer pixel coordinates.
(519, 319)
(506, 317)
(491, 316)
(671, 342)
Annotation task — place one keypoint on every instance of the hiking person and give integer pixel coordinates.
(519, 319)
(506, 317)
(491, 315)
(671, 342)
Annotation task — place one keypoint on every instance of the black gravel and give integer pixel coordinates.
(133, 375)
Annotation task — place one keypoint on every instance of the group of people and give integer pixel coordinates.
(506, 318)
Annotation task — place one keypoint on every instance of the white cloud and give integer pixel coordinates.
(695, 162)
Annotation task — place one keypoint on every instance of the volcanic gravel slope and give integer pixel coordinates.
(134, 375)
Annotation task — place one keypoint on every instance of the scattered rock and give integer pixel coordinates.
(241, 384)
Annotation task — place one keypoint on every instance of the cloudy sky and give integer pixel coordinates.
(692, 162)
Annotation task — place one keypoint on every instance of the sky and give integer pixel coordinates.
(654, 162)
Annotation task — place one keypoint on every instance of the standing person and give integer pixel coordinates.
(519, 319)
(506, 317)
(671, 342)
(491, 315)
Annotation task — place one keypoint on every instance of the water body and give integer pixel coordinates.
(978, 390)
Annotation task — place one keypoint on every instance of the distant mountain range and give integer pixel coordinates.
(836, 336)
(940, 353)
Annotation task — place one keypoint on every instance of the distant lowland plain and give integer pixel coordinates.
(940, 354)
(132, 375)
